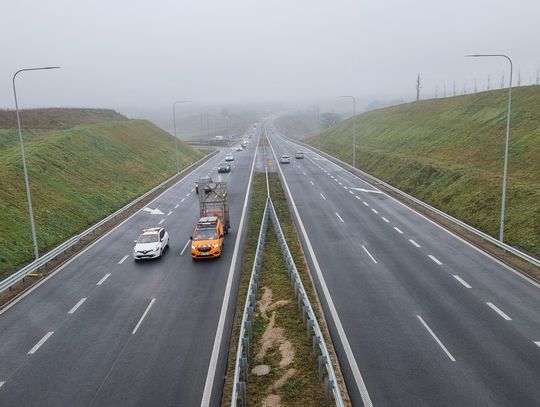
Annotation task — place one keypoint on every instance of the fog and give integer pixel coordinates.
(136, 55)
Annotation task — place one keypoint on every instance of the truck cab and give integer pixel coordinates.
(207, 238)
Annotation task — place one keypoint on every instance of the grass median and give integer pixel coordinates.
(280, 344)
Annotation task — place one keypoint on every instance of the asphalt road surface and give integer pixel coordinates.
(418, 316)
(106, 331)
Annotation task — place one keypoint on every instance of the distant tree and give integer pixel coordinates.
(329, 119)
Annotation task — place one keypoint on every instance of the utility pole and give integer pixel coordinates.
(475, 86)
(418, 86)
(454, 84)
(444, 94)
(537, 76)
(519, 79)
(436, 92)
(502, 81)
(489, 83)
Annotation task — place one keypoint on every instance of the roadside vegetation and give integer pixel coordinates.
(279, 343)
(79, 173)
(449, 153)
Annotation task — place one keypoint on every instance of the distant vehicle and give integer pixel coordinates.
(202, 181)
(229, 157)
(244, 144)
(213, 224)
(239, 148)
(224, 167)
(219, 138)
(299, 155)
(284, 159)
(151, 243)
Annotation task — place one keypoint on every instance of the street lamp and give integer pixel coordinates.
(354, 129)
(26, 183)
(503, 203)
(176, 138)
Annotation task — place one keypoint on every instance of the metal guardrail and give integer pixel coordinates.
(241, 371)
(472, 229)
(43, 260)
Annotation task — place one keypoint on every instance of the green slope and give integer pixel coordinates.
(78, 176)
(449, 153)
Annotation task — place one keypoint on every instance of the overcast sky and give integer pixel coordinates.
(132, 53)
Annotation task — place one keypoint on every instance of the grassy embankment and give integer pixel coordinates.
(294, 371)
(449, 152)
(83, 165)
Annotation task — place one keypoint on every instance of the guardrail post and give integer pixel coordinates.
(243, 394)
(328, 384)
(309, 327)
(315, 340)
(244, 368)
(322, 362)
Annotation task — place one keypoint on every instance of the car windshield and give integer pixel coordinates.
(205, 234)
(148, 238)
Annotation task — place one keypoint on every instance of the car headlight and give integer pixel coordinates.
(156, 248)
(215, 245)
(193, 247)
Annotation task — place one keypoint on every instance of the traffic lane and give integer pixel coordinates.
(493, 281)
(42, 317)
(165, 363)
(23, 324)
(510, 344)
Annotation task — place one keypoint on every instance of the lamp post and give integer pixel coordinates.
(176, 138)
(26, 182)
(354, 129)
(505, 171)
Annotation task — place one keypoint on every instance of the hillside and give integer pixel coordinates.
(449, 152)
(56, 118)
(78, 176)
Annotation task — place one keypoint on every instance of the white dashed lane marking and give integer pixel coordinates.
(40, 343)
(436, 260)
(123, 259)
(458, 278)
(105, 277)
(414, 243)
(498, 311)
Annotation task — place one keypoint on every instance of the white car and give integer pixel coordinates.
(229, 157)
(151, 244)
(284, 159)
(239, 148)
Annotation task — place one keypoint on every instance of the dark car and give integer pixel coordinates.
(224, 167)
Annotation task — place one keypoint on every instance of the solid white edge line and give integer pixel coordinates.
(184, 249)
(143, 315)
(436, 339)
(54, 273)
(41, 342)
(340, 218)
(523, 276)
(369, 254)
(537, 343)
(210, 377)
(498, 311)
(339, 327)
(458, 278)
(414, 243)
(76, 306)
(322, 196)
(105, 277)
(398, 230)
(436, 260)
(123, 259)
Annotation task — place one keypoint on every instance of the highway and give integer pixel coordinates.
(418, 317)
(106, 331)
